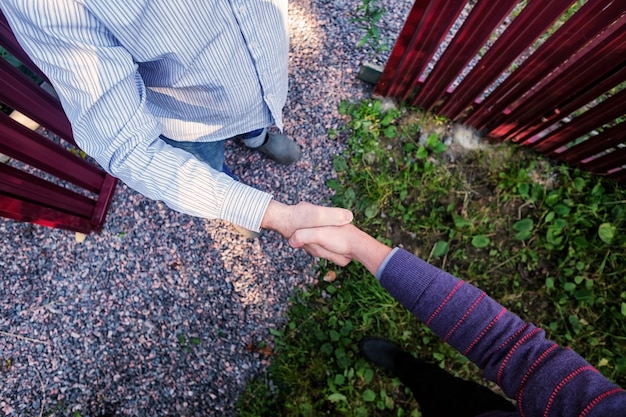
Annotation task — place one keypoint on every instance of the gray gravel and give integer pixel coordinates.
(152, 316)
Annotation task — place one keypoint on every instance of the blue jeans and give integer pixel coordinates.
(211, 153)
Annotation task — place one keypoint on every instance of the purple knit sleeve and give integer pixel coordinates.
(544, 378)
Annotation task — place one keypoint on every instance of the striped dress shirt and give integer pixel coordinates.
(129, 71)
(545, 379)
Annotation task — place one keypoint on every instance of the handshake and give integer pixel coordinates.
(325, 232)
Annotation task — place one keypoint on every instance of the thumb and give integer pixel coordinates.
(310, 215)
(303, 237)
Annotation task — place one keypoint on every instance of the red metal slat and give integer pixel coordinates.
(28, 212)
(604, 113)
(104, 202)
(23, 94)
(28, 187)
(580, 73)
(473, 34)
(26, 197)
(594, 145)
(619, 176)
(606, 163)
(529, 132)
(404, 42)
(438, 28)
(438, 19)
(413, 57)
(592, 18)
(31, 148)
(534, 19)
(10, 43)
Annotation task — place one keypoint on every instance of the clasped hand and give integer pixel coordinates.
(325, 232)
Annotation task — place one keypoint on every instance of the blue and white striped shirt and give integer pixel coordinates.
(127, 71)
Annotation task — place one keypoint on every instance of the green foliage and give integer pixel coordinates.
(546, 241)
(368, 16)
(317, 369)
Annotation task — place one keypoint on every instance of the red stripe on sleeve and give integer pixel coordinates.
(561, 384)
(520, 392)
(467, 313)
(444, 302)
(513, 336)
(484, 331)
(598, 399)
(512, 351)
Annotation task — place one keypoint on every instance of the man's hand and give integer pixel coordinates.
(341, 244)
(286, 219)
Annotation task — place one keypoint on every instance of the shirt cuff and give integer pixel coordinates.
(245, 206)
(382, 266)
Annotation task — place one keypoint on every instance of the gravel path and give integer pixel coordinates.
(152, 316)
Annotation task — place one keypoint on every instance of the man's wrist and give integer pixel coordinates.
(276, 216)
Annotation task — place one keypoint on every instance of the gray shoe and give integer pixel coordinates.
(280, 148)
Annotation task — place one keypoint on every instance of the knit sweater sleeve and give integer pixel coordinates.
(544, 378)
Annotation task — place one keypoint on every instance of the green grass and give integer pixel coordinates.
(367, 17)
(544, 240)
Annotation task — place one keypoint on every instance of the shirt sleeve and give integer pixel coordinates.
(384, 263)
(104, 98)
(544, 378)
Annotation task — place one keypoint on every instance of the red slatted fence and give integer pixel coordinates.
(541, 103)
(79, 195)
(566, 99)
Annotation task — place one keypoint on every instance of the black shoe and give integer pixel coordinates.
(280, 148)
(438, 393)
(381, 352)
